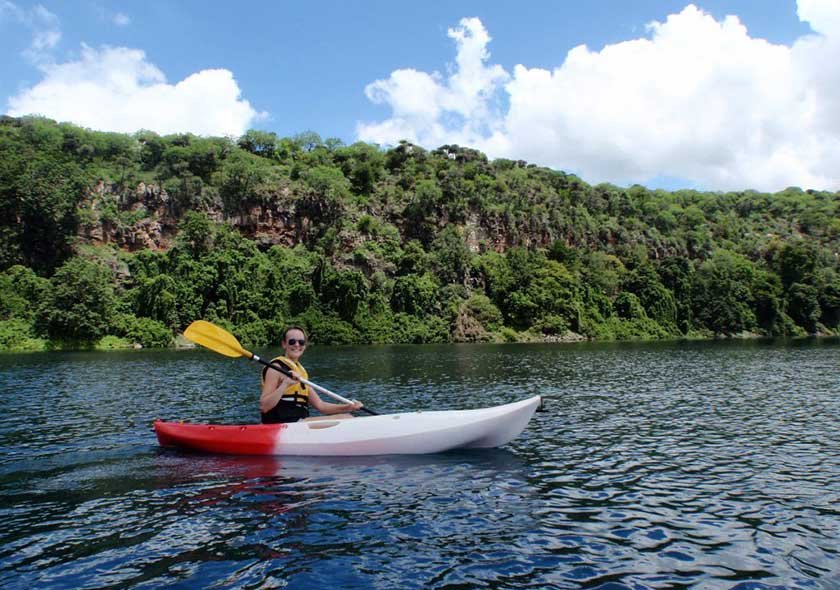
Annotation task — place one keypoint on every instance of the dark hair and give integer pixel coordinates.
(290, 328)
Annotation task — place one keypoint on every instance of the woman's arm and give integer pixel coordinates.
(327, 408)
(273, 387)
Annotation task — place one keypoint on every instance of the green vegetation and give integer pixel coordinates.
(112, 240)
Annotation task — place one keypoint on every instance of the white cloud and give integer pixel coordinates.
(822, 15)
(696, 98)
(117, 89)
(424, 104)
(121, 20)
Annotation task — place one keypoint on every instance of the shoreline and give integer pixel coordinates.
(184, 345)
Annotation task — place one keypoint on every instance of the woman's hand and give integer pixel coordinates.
(354, 405)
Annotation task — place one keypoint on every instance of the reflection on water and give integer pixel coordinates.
(391, 513)
(703, 465)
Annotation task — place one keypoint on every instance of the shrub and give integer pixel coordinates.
(16, 335)
(112, 343)
(144, 331)
(254, 334)
(509, 334)
(327, 328)
(21, 290)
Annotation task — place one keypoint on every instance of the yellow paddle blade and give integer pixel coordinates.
(215, 338)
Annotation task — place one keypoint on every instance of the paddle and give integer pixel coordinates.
(220, 340)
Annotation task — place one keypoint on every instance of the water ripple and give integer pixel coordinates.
(702, 465)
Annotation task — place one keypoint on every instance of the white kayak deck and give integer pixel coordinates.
(408, 433)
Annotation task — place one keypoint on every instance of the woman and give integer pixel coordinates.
(286, 399)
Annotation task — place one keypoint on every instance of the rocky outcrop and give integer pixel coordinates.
(130, 219)
(147, 218)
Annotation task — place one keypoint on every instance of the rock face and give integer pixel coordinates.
(130, 219)
(269, 224)
(147, 218)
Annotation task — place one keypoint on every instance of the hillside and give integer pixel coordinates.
(129, 238)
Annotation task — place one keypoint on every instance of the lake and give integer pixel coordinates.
(656, 465)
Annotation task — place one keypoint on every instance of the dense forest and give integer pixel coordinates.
(115, 240)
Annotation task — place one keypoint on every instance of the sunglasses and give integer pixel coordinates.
(292, 342)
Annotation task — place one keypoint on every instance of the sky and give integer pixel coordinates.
(712, 95)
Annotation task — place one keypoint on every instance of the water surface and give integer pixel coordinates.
(702, 465)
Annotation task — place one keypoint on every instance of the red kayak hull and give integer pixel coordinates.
(252, 439)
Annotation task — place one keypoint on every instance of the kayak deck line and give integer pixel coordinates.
(386, 434)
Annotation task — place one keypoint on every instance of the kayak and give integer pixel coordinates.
(409, 433)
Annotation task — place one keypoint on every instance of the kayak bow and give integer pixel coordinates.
(390, 434)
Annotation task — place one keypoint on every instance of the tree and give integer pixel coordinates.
(803, 306)
(829, 301)
(21, 291)
(324, 201)
(555, 292)
(80, 302)
(363, 164)
(261, 143)
(344, 291)
(628, 306)
(152, 147)
(242, 181)
(157, 299)
(419, 214)
(722, 300)
(308, 141)
(40, 188)
(658, 301)
(450, 256)
(796, 263)
(677, 275)
(766, 289)
(413, 259)
(563, 254)
(414, 294)
(195, 233)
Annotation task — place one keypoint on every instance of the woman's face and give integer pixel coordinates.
(294, 344)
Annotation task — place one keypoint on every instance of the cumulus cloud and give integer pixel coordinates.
(117, 89)
(121, 20)
(430, 109)
(696, 98)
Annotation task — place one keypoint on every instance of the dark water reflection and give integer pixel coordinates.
(702, 465)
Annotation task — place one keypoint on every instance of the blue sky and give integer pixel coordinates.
(306, 66)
